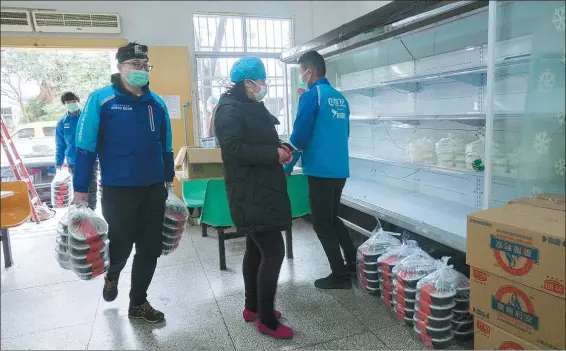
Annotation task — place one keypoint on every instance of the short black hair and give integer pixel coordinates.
(69, 96)
(314, 61)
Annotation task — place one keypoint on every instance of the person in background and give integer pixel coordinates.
(128, 127)
(320, 136)
(65, 143)
(256, 187)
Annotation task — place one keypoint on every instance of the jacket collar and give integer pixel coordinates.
(320, 81)
(122, 91)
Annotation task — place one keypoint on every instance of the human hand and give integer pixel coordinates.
(287, 175)
(285, 156)
(80, 198)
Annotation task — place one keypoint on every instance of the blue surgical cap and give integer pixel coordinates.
(247, 68)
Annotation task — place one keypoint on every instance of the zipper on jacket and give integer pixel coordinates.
(150, 114)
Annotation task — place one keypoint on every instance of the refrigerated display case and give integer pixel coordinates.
(451, 105)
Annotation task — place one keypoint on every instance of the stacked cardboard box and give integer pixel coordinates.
(517, 256)
(200, 163)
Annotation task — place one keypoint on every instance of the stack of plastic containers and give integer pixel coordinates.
(62, 242)
(438, 322)
(407, 273)
(175, 220)
(385, 264)
(367, 256)
(62, 189)
(87, 243)
(445, 152)
(422, 151)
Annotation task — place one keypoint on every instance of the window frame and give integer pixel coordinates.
(197, 108)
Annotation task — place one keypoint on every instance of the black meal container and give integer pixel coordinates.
(464, 336)
(430, 294)
(90, 275)
(462, 305)
(371, 275)
(410, 293)
(87, 268)
(370, 266)
(410, 283)
(373, 284)
(61, 256)
(437, 344)
(436, 323)
(169, 229)
(373, 292)
(80, 249)
(406, 303)
(445, 333)
(371, 257)
(462, 315)
(170, 239)
(168, 248)
(173, 221)
(61, 245)
(409, 321)
(75, 240)
(439, 311)
(87, 259)
(463, 293)
(462, 326)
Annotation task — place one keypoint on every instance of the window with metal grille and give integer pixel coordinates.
(221, 40)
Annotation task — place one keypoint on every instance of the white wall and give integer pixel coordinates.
(327, 15)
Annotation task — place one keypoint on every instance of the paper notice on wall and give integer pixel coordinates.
(173, 103)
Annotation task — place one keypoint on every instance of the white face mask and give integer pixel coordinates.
(261, 93)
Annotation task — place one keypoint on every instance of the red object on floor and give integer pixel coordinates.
(250, 316)
(281, 332)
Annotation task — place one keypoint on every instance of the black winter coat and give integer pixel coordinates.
(255, 180)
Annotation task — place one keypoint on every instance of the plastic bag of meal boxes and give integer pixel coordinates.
(442, 314)
(385, 264)
(176, 216)
(61, 189)
(406, 275)
(82, 242)
(367, 256)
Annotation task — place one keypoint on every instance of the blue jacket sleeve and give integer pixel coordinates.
(289, 167)
(167, 143)
(304, 123)
(86, 140)
(60, 145)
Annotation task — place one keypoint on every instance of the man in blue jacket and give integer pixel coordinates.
(128, 127)
(320, 136)
(65, 142)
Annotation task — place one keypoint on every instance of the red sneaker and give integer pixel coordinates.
(250, 316)
(281, 332)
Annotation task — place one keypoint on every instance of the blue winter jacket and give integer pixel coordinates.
(321, 131)
(65, 139)
(131, 136)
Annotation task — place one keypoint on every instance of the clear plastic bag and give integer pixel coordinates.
(62, 189)
(62, 242)
(87, 242)
(442, 313)
(174, 222)
(367, 256)
(422, 151)
(391, 257)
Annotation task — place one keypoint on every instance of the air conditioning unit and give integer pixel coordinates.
(67, 22)
(15, 21)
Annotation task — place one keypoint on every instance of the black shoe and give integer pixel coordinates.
(334, 281)
(351, 268)
(110, 290)
(145, 312)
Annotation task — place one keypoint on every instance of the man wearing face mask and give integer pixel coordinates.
(320, 137)
(257, 189)
(65, 142)
(128, 127)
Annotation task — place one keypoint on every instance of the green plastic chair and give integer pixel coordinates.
(193, 192)
(298, 191)
(216, 214)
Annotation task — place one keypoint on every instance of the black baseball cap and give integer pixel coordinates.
(131, 51)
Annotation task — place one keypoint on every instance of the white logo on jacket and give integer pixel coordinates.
(336, 114)
(121, 107)
(336, 102)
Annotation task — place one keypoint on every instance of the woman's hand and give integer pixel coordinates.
(285, 156)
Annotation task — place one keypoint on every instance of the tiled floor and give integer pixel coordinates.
(46, 307)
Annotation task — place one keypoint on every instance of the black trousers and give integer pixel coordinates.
(324, 196)
(262, 263)
(134, 216)
(93, 186)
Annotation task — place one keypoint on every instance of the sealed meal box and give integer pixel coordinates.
(520, 242)
(535, 316)
(489, 337)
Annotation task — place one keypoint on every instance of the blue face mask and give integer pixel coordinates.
(138, 78)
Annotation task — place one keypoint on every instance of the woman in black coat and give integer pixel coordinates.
(257, 188)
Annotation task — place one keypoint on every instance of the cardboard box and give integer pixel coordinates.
(550, 201)
(522, 243)
(535, 316)
(198, 163)
(490, 337)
